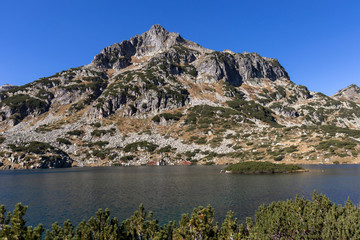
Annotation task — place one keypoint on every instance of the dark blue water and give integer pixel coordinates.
(76, 193)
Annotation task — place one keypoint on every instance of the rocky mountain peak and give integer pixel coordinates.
(154, 40)
(157, 29)
(350, 93)
(159, 97)
(118, 55)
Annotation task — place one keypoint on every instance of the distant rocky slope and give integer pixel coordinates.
(350, 93)
(6, 87)
(160, 97)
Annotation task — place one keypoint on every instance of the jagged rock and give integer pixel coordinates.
(252, 65)
(118, 55)
(157, 38)
(62, 161)
(286, 112)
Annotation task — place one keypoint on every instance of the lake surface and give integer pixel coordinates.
(77, 193)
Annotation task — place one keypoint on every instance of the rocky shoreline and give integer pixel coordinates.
(158, 164)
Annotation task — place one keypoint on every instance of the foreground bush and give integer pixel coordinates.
(299, 218)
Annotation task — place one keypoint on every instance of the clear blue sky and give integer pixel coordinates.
(317, 41)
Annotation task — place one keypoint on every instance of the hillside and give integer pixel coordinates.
(158, 96)
(350, 93)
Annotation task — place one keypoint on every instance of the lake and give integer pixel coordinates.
(77, 193)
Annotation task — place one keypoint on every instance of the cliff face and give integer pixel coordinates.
(160, 96)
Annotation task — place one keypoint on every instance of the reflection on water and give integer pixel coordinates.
(60, 194)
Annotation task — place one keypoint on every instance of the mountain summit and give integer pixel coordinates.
(158, 97)
(119, 55)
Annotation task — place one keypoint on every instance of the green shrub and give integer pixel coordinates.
(209, 163)
(99, 153)
(215, 142)
(190, 119)
(332, 130)
(261, 167)
(21, 104)
(167, 117)
(133, 147)
(165, 149)
(336, 143)
(279, 158)
(127, 158)
(76, 132)
(291, 149)
(97, 125)
(98, 143)
(98, 133)
(342, 155)
(297, 218)
(34, 147)
(201, 140)
(190, 154)
(253, 110)
(63, 141)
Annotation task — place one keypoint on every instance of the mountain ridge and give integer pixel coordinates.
(158, 96)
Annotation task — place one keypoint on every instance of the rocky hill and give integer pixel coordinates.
(161, 98)
(350, 93)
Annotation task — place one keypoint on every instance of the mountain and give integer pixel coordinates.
(158, 97)
(350, 93)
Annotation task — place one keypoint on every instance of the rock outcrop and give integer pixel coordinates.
(6, 87)
(34, 155)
